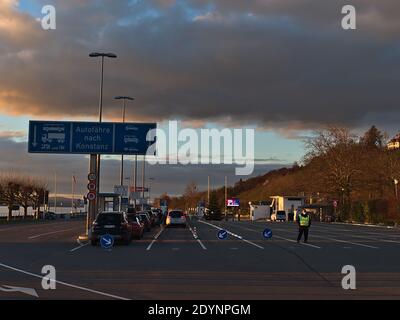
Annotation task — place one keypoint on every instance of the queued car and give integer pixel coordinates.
(137, 226)
(213, 215)
(151, 217)
(113, 223)
(144, 218)
(176, 218)
(158, 216)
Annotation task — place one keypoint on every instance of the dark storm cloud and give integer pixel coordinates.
(274, 63)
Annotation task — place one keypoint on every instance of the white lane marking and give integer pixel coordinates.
(362, 225)
(373, 240)
(52, 232)
(64, 283)
(391, 241)
(81, 245)
(275, 236)
(155, 239)
(345, 241)
(335, 233)
(28, 291)
(302, 243)
(196, 237)
(336, 240)
(233, 234)
(359, 232)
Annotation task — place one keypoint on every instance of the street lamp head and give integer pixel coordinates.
(124, 97)
(101, 54)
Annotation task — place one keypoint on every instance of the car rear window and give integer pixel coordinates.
(105, 218)
(176, 214)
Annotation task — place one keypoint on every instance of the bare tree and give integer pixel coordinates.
(21, 190)
(336, 149)
(190, 194)
(25, 194)
(9, 193)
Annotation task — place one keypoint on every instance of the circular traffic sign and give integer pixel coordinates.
(107, 241)
(222, 234)
(91, 196)
(267, 233)
(92, 176)
(91, 186)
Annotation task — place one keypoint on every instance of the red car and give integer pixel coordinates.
(137, 226)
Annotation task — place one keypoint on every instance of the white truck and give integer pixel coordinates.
(260, 210)
(284, 208)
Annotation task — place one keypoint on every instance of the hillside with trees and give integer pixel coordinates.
(359, 172)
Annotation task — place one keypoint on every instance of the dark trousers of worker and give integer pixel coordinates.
(301, 231)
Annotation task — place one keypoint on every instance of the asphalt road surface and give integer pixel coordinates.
(192, 263)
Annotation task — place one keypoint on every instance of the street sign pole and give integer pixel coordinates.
(143, 179)
(92, 206)
(135, 180)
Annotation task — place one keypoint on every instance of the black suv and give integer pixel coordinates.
(112, 223)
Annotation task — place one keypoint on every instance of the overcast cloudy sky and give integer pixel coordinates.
(285, 67)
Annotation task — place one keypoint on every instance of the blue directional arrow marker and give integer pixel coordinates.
(107, 241)
(222, 234)
(267, 233)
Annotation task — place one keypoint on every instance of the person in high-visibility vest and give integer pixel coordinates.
(304, 222)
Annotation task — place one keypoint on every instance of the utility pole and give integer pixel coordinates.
(143, 179)
(55, 191)
(73, 193)
(208, 191)
(135, 180)
(226, 194)
(121, 181)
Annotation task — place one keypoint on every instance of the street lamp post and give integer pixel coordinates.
(396, 182)
(150, 179)
(121, 180)
(95, 158)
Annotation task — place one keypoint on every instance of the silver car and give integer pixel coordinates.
(176, 217)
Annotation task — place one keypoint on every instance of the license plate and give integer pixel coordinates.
(109, 226)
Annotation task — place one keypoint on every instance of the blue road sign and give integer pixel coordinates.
(89, 137)
(222, 234)
(107, 241)
(267, 233)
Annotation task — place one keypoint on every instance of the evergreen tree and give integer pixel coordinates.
(213, 207)
(372, 138)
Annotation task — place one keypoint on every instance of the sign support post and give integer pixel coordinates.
(92, 206)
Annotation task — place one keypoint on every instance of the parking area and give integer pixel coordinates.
(193, 263)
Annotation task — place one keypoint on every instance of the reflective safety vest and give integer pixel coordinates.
(304, 221)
